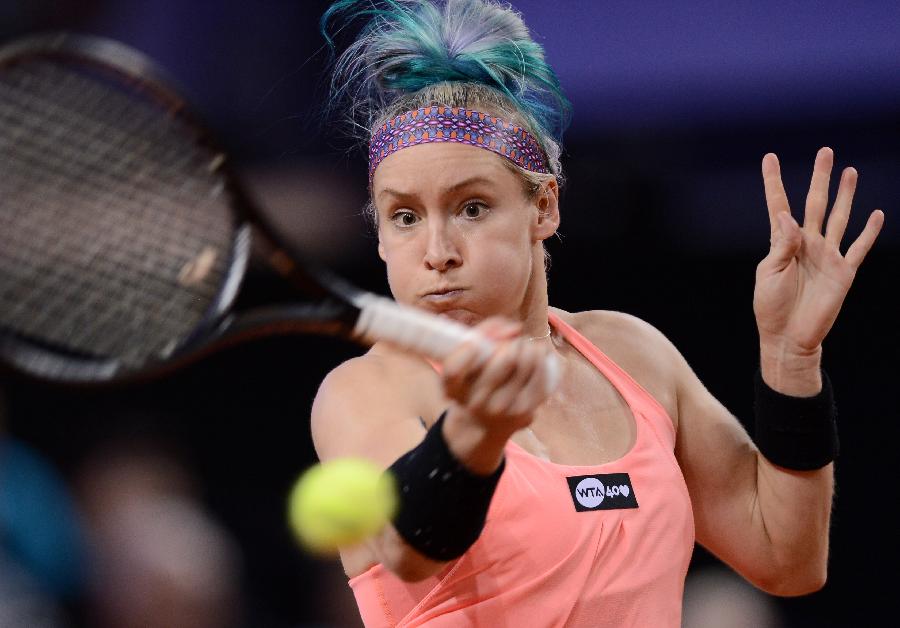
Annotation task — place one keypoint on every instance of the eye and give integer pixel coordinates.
(473, 210)
(404, 218)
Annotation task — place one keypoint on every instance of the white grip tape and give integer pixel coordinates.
(381, 318)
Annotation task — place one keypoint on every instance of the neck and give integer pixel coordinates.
(533, 312)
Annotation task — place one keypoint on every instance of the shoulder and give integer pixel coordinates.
(636, 346)
(373, 377)
(622, 335)
(610, 323)
(355, 376)
(379, 368)
(370, 394)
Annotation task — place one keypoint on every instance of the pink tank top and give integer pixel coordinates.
(564, 545)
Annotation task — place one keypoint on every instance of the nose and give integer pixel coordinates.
(441, 252)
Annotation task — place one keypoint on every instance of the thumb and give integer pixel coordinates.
(787, 241)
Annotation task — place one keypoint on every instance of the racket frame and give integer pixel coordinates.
(217, 326)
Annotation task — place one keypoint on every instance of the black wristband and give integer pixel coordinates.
(797, 433)
(443, 505)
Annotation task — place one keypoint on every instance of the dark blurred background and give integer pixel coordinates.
(174, 491)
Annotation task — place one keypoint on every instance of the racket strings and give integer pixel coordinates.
(91, 143)
(106, 205)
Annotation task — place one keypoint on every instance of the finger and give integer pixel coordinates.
(840, 212)
(515, 391)
(534, 390)
(498, 370)
(460, 368)
(817, 197)
(785, 243)
(465, 356)
(776, 199)
(515, 397)
(859, 249)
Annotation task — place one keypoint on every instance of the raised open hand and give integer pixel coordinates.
(802, 282)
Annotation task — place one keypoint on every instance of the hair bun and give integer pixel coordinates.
(407, 45)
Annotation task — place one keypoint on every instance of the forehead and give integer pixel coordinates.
(439, 165)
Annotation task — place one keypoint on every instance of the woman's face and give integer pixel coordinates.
(457, 231)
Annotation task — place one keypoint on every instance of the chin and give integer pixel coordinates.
(461, 316)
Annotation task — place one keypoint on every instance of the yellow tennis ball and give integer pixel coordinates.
(340, 502)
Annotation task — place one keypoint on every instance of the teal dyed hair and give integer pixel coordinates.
(467, 53)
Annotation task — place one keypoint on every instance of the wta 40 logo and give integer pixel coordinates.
(590, 492)
(602, 492)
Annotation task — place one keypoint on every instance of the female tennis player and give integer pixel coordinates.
(580, 505)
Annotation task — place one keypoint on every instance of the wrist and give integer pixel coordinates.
(791, 370)
(798, 433)
(477, 447)
(442, 505)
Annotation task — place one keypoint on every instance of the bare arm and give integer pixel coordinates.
(770, 523)
(767, 523)
(355, 414)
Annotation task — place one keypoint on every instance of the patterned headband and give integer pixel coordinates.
(455, 124)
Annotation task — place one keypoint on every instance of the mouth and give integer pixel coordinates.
(440, 295)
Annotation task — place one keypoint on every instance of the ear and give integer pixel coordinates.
(547, 216)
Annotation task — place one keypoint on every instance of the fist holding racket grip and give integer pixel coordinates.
(495, 394)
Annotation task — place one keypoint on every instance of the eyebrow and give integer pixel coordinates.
(477, 179)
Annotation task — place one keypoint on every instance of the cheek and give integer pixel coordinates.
(400, 268)
(504, 263)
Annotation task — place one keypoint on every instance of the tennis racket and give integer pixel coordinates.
(125, 234)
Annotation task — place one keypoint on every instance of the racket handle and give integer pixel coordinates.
(381, 318)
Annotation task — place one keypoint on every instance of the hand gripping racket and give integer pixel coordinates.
(125, 235)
